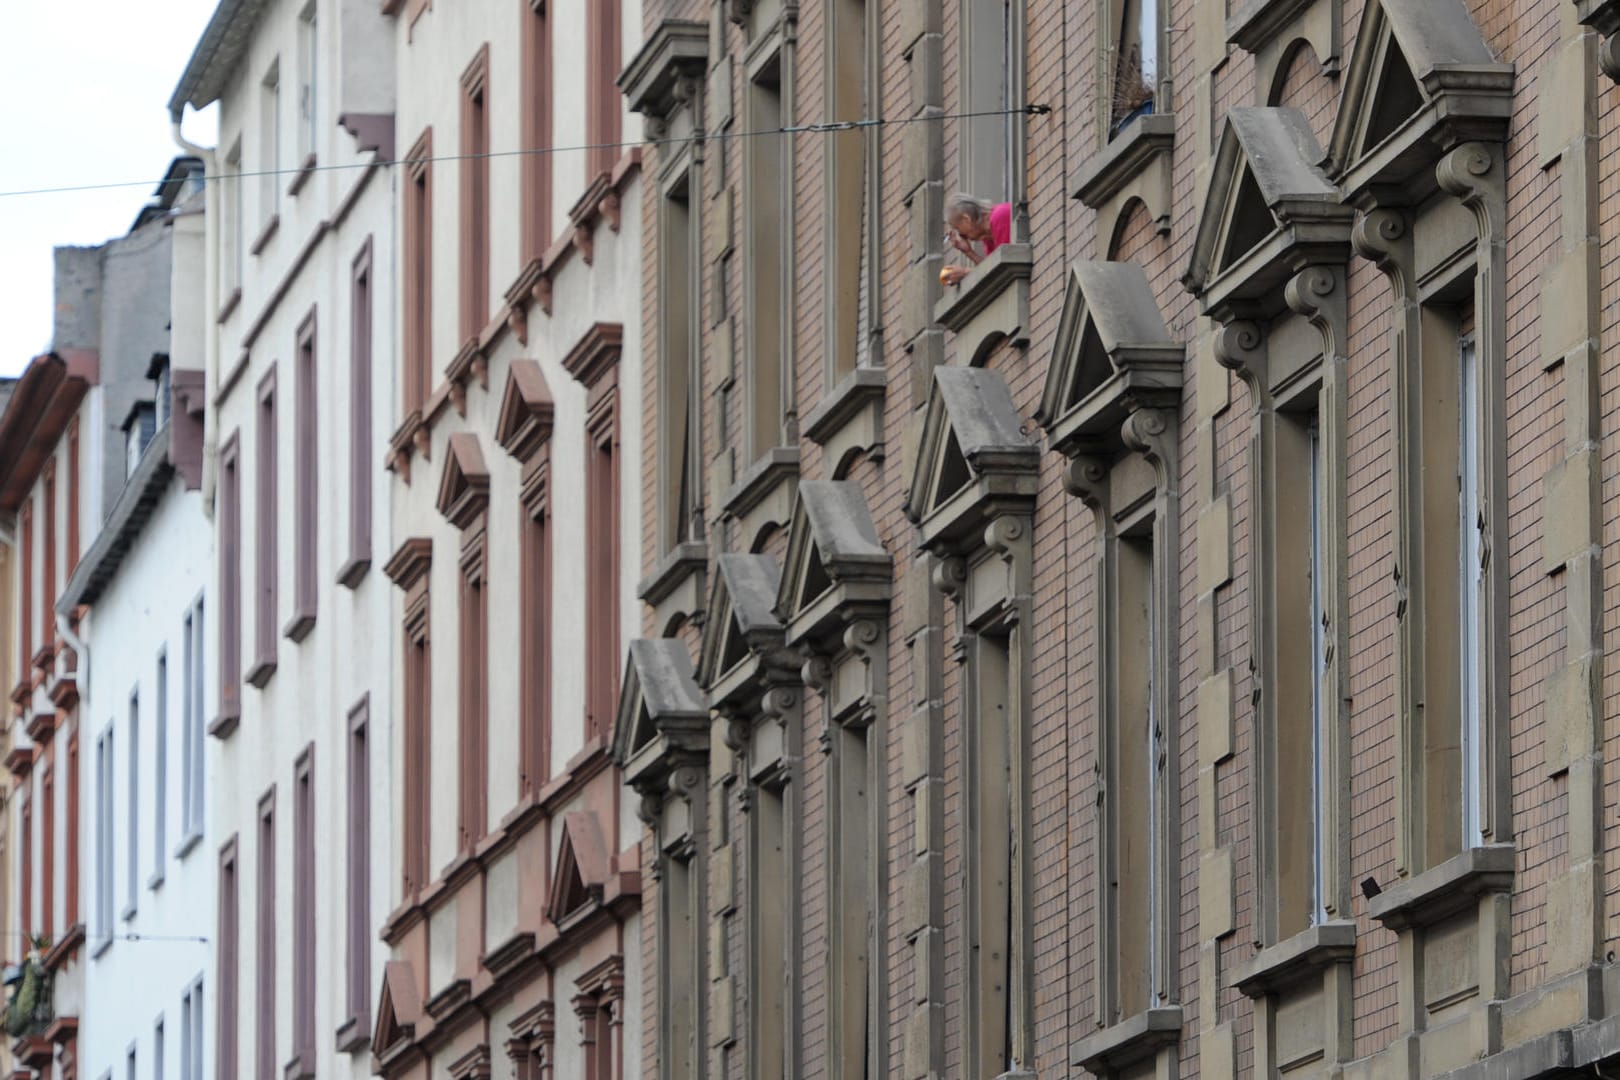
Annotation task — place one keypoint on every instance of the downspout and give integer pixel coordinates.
(210, 304)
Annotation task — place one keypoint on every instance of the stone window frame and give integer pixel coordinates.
(266, 518)
(852, 91)
(1111, 406)
(409, 569)
(535, 120)
(417, 278)
(264, 932)
(49, 512)
(533, 1043)
(1003, 22)
(753, 686)
(1269, 266)
(834, 601)
(306, 482)
(665, 83)
(594, 363)
(769, 422)
(474, 246)
(603, 122)
(72, 508)
(599, 1004)
(1272, 30)
(227, 963)
(353, 1034)
(25, 604)
(463, 501)
(972, 496)
(361, 312)
(523, 427)
(229, 706)
(1431, 207)
(302, 1064)
(47, 846)
(661, 743)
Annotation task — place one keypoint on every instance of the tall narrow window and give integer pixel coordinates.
(132, 824)
(25, 604)
(25, 887)
(536, 630)
(233, 248)
(535, 88)
(266, 519)
(195, 999)
(1135, 62)
(602, 107)
(306, 496)
(475, 197)
(130, 1072)
(47, 579)
(678, 457)
(359, 420)
(47, 848)
(769, 929)
(848, 99)
(104, 836)
(990, 76)
(188, 717)
(678, 962)
(160, 768)
(418, 272)
(474, 718)
(309, 129)
(195, 692)
(230, 585)
(358, 984)
(1471, 584)
(269, 153)
(1322, 841)
(989, 881)
(602, 566)
(157, 1050)
(303, 915)
(265, 951)
(71, 892)
(765, 173)
(418, 705)
(226, 960)
(851, 888)
(73, 496)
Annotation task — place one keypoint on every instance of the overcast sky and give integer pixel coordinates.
(85, 86)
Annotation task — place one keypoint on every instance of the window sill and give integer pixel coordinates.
(1128, 1041)
(306, 169)
(351, 573)
(990, 305)
(128, 913)
(224, 725)
(850, 418)
(763, 495)
(1126, 157)
(99, 949)
(354, 1035)
(1307, 953)
(258, 676)
(232, 302)
(188, 843)
(299, 1068)
(1447, 889)
(155, 882)
(265, 234)
(675, 585)
(1259, 22)
(299, 626)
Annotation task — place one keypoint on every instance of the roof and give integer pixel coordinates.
(218, 51)
(37, 409)
(130, 513)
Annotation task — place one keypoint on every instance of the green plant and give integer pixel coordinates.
(29, 1010)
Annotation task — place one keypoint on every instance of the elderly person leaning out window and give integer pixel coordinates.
(970, 222)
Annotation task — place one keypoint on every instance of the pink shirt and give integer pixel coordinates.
(1000, 227)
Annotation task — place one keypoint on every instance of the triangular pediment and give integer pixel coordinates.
(527, 410)
(1421, 80)
(581, 870)
(399, 1007)
(974, 455)
(464, 482)
(1269, 208)
(661, 707)
(741, 614)
(1113, 350)
(833, 551)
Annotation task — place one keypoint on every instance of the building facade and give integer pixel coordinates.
(1178, 648)
(298, 305)
(515, 908)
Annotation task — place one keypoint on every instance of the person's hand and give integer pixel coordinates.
(953, 275)
(960, 242)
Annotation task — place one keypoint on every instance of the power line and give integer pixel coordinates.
(796, 129)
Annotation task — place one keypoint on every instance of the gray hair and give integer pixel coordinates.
(969, 206)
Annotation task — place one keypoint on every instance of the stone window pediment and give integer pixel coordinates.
(837, 569)
(527, 410)
(974, 462)
(663, 716)
(579, 880)
(1421, 81)
(1113, 354)
(743, 633)
(668, 69)
(399, 1007)
(1270, 210)
(464, 483)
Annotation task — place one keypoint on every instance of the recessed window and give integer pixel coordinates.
(1135, 64)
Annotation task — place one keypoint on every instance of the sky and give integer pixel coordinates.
(84, 94)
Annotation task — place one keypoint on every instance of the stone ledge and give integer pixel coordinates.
(669, 572)
(1447, 889)
(992, 303)
(1128, 1041)
(1125, 157)
(850, 417)
(1297, 958)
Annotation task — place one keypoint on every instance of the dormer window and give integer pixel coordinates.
(138, 428)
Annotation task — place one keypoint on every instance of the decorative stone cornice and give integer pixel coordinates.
(527, 411)
(464, 483)
(668, 70)
(410, 562)
(595, 354)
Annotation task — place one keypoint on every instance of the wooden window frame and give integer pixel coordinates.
(535, 120)
(303, 917)
(266, 519)
(306, 483)
(474, 194)
(264, 930)
(417, 276)
(227, 960)
(230, 588)
(361, 301)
